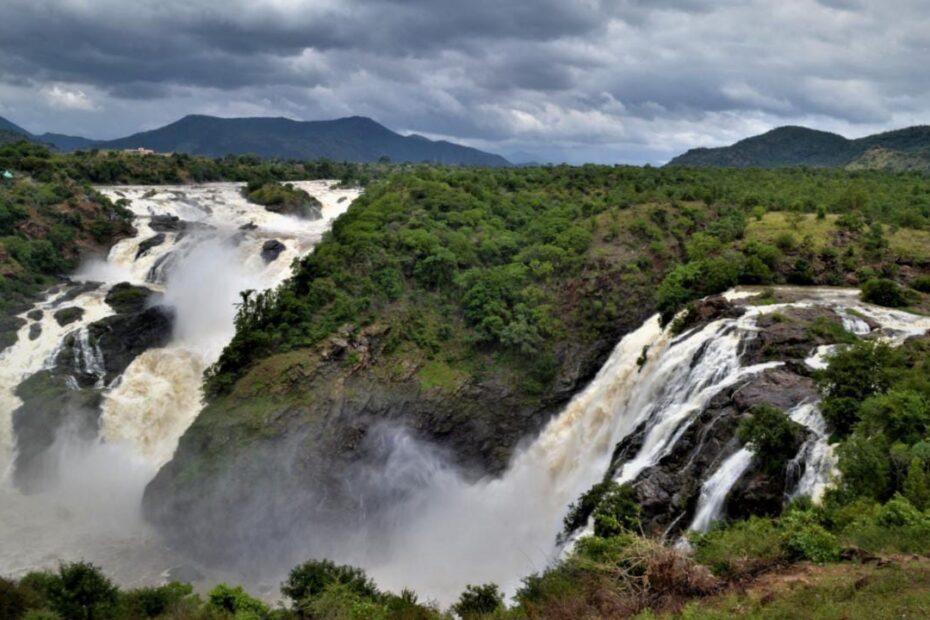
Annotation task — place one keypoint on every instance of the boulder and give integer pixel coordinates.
(126, 298)
(271, 249)
(166, 223)
(68, 315)
(150, 243)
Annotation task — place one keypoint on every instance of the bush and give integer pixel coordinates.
(81, 591)
(476, 601)
(617, 512)
(772, 436)
(853, 374)
(884, 292)
(308, 581)
(741, 548)
(902, 415)
(153, 602)
(612, 505)
(805, 539)
(922, 284)
(237, 602)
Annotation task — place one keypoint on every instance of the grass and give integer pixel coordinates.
(910, 244)
(850, 591)
(776, 223)
(435, 374)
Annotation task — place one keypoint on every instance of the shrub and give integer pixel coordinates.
(612, 505)
(476, 601)
(153, 602)
(805, 539)
(80, 591)
(884, 292)
(772, 436)
(740, 548)
(308, 580)
(237, 602)
(617, 512)
(853, 374)
(902, 415)
(922, 284)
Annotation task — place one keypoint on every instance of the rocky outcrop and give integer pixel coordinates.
(68, 315)
(64, 400)
(271, 249)
(122, 337)
(166, 223)
(669, 491)
(150, 243)
(318, 419)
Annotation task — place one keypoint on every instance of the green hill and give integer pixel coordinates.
(903, 149)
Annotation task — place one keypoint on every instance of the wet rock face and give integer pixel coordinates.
(708, 310)
(126, 298)
(9, 327)
(166, 223)
(66, 398)
(122, 337)
(271, 249)
(790, 334)
(669, 491)
(150, 243)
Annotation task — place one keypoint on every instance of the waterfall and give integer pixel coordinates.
(450, 529)
(715, 489)
(203, 246)
(455, 532)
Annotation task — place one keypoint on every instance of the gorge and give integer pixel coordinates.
(168, 418)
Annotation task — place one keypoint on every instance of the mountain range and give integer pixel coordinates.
(354, 138)
(902, 149)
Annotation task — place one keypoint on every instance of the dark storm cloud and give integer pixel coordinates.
(631, 80)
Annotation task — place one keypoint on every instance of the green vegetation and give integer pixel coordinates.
(285, 199)
(495, 262)
(46, 224)
(772, 436)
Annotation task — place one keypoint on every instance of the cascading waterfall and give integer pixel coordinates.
(456, 532)
(198, 246)
(450, 531)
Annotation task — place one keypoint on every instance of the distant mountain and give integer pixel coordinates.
(903, 149)
(9, 128)
(66, 143)
(347, 139)
(355, 138)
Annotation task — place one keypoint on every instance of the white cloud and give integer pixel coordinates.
(63, 98)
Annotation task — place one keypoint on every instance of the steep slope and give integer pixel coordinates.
(9, 127)
(903, 149)
(348, 139)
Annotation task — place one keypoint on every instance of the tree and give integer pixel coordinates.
(772, 436)
(853, 374)
(308, 581)
(617, 512)
(884, 292)
(81, 592)
(477, 601)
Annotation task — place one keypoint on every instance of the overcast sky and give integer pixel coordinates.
(575, 80)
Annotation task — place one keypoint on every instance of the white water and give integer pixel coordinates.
(715, 489)
(93, 511)
(500, 530)
(452, 531)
